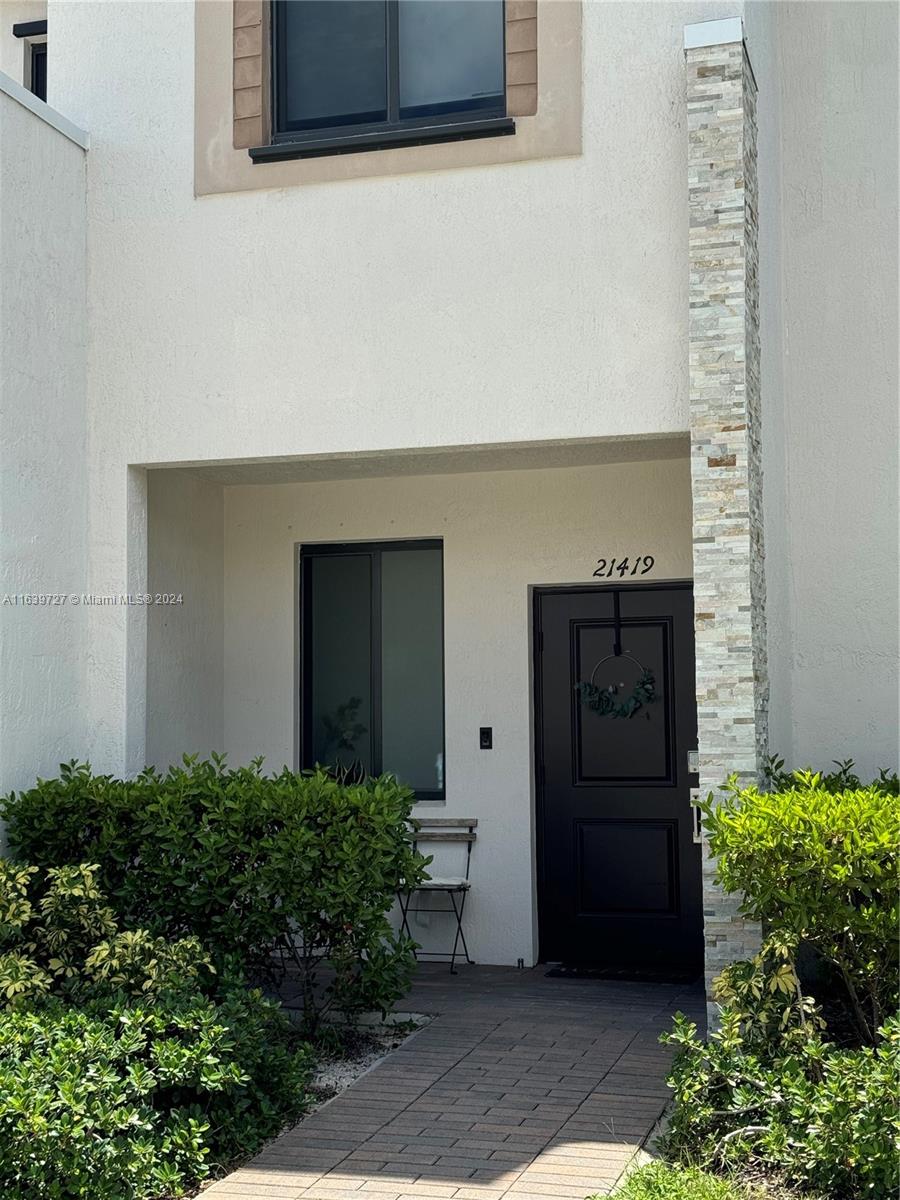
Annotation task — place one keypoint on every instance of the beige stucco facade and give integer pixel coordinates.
(486, 342)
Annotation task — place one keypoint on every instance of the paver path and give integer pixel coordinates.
(522, 1087)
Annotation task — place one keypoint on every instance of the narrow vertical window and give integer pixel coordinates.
(34, 37)
(38, 81)
(372, 661)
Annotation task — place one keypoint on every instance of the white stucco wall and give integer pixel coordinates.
(185, 537)
(828, 262)
(503, 532)
(43, 426)
(540, 300)
(13, 49)
(387, 312)
(534, 301)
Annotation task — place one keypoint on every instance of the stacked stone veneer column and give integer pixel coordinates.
(726, 470)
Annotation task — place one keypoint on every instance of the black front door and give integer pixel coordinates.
(619, 871)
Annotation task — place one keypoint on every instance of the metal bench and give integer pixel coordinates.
(456, 888)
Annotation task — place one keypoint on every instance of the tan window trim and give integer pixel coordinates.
(250, 79)
(231, 103)
(521, 57)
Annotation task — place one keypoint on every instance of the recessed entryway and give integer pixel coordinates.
(616, 718)
(226, 668)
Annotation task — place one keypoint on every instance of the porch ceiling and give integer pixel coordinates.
(443, 460)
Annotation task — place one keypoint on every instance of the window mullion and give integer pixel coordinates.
(392, 17)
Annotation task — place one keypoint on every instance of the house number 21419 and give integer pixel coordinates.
(624, 566)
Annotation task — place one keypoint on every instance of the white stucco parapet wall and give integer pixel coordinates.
(43, 110)
(44, 652)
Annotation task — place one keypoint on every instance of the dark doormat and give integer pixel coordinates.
(623, 974)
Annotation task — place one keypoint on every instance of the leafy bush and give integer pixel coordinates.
(816, 863)
(119, 1077)
(135, 1100)
(67, 941)
(288, 869)
(660, 1181)
(825, 1118)
(819, 868)
(842, 779)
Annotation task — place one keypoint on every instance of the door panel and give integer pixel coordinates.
(634, 751)
(607, 880)
(619, 873)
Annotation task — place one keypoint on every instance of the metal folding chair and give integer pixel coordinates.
(456, 888)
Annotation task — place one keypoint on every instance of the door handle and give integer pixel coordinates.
(696, 817)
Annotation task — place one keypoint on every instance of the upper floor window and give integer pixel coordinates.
(34, 35)
(362, 74)
(38, 74)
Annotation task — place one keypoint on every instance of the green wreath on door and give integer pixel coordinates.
(605, 702)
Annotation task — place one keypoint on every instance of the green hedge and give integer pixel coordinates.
(264, 870)
(128, 1068)
(819, 869)
(660, 1181)
(130, 1101)
(806, 1085)
(822, 1117)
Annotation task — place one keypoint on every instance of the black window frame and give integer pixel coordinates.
(395, 131)
(37, 70)
(308, 553)
(35, 55)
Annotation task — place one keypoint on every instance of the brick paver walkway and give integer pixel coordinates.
(522, 1087)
